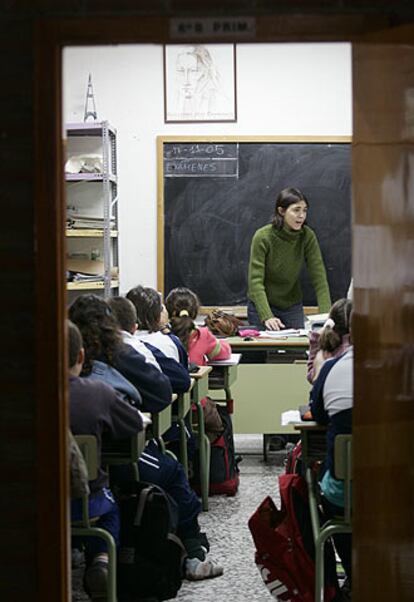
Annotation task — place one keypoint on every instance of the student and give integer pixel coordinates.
(96, 409)
(183, 306)
(152, 317)
(126, 315)
(103, 340)
(278, 252)
(333, 338)
(331, 403)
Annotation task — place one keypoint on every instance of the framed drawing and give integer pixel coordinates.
(199, 83)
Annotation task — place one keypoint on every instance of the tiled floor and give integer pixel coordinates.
(226, 526)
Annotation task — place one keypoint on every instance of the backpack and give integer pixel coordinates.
(222, 324)
(150, 557)
(285, 550)
(224, 471)
(294, 460)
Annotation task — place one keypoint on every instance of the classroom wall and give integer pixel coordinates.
(282, 90)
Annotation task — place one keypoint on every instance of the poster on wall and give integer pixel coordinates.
(200, 83)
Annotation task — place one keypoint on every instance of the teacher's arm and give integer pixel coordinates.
(317, 272)
(256, 278)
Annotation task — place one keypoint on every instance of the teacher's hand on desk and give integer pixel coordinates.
(274, 324)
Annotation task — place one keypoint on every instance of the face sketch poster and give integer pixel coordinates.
(200, 82)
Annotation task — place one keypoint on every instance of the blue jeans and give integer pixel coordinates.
(292, 317)
(101, 504)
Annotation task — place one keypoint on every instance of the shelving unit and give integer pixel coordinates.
(92, 216)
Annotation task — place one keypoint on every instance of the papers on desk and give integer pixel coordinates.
(283, 334)
(232, 361)
(290, 417)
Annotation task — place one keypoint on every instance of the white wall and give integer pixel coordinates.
(282, 89)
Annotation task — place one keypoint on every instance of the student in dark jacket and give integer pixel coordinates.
(126, 315)
(95, 408)
(103, 341)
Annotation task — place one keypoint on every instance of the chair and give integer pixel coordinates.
(84, 527)
(199, 391)
(339, 524)
(181, 408)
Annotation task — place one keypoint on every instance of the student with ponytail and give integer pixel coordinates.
(332, 340)
(183, 306)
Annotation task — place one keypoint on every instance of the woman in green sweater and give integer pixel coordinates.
(277, 254)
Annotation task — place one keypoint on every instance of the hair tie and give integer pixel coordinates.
(329, 322)
(182, 313)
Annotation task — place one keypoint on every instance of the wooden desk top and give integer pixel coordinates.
(202, 372)
(262, 342)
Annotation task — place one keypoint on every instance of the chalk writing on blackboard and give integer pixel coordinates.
(201, 160)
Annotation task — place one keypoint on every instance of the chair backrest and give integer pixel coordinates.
(343, 457)
(89, 448)
(343, 469)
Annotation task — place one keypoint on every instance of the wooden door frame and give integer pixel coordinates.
(51, 36)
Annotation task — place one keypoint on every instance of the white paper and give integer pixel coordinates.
(290, 417)
(282, 334)
(232, 361)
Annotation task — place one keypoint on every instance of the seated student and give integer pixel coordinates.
(96, 409)
(183, 306)
(331, 404)
(332, 339)
(103, 341)
(126, 315)
(152, 319)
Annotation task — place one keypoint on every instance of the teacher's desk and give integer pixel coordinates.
(271, 379)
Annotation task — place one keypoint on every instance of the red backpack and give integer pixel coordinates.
(284, 544)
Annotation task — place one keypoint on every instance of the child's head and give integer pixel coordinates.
(148, 305)
(76, 353)
(182, 306)
(332, 335)
(99, 329)
(124, 312)
(290, 209)
(180, 300)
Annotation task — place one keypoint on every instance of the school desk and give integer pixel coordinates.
(125, 451)
(271, 379)
(313, 438)
(223, 375)
(160, 423)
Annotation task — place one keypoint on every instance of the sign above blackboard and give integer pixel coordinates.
(206, 221)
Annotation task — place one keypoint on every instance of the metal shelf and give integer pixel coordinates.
(86, 286)
(89, 233)
(106, 134)
(90, 177)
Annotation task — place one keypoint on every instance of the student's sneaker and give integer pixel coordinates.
(95, 580)
(196, 569)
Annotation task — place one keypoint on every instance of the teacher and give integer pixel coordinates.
(278, 252)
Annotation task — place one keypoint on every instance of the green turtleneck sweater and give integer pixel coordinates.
(276, 260)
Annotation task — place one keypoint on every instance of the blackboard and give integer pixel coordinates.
(215, 194)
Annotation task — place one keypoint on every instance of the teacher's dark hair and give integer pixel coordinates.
(285, 198)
